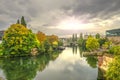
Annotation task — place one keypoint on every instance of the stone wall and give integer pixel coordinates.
(103, 62)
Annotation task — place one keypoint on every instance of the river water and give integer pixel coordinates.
(66, 65)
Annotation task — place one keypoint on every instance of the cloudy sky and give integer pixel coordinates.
(62, 17)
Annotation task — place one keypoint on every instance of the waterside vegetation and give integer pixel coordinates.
(18, 40)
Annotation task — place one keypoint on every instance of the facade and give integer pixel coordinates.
(113, 35)
(113, 32)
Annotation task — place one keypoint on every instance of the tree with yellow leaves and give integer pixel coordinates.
(52, 38)
(18, 41)
(41, 36)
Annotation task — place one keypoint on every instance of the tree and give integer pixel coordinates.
(107, 45)
(80, 41)
(47, 46)
(60, 43)
(115, 50)
(23, 22)
(41, 36)
(97, 36)
(52, 38)
(113, 72)
(102, 41)
(18, 22)
(18, 41)
(92, 44)
(73, 37)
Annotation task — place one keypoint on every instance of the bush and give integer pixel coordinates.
(115, 50)
(1, 51)
(18, 41)
(113, 72)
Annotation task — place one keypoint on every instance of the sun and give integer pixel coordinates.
(72, 24)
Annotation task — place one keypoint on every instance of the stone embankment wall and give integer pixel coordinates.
(103, 61)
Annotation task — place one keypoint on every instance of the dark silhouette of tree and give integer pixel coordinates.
(97, 36)
(18, 22)
(23, 22)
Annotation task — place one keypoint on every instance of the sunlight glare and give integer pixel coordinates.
(73, 24)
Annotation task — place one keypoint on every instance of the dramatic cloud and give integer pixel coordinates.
(47, 15)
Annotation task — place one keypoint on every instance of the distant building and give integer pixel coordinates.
(113, 35)
(86, 36)
(1, 34)
(113, 32)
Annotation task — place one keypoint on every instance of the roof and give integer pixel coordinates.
(113, 30)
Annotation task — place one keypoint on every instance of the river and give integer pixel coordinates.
(66, 65)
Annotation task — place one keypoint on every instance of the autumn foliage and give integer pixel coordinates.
(52, 38)
(47, 42)
(18, 41)
(41, 36)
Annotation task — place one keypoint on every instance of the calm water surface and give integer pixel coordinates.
(67, 65)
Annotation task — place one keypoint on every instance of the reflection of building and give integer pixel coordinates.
(1, 34)
(113, 35)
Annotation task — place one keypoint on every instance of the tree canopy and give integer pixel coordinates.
(113, 72)
(23, 22)
(92, 44)
(18, 41)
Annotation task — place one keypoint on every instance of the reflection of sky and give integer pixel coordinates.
(2, 77)
(68, 66)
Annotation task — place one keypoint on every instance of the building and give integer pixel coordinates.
(113, 35)
(113, 32)
(1, 34)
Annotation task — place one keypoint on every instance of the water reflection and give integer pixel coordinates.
(74, 49)
(92, 61)
(69, 65)
(81, 51)
(25, 68)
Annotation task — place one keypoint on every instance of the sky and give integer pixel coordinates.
(62, 17)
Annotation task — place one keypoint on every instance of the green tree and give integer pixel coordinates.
(23, 22)
(47, 46)
(92, 44)
(102, 41)
(18, 41)
(80, 41)
(60, 43)
(107, 44)
(115, 50)
(113, 72)
(73, 37)
(18, 22)
(97, 36)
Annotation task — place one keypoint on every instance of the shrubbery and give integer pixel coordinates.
(115, 50)
(113, 72)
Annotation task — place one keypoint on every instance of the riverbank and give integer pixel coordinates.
(104, 59)
(99, 52)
